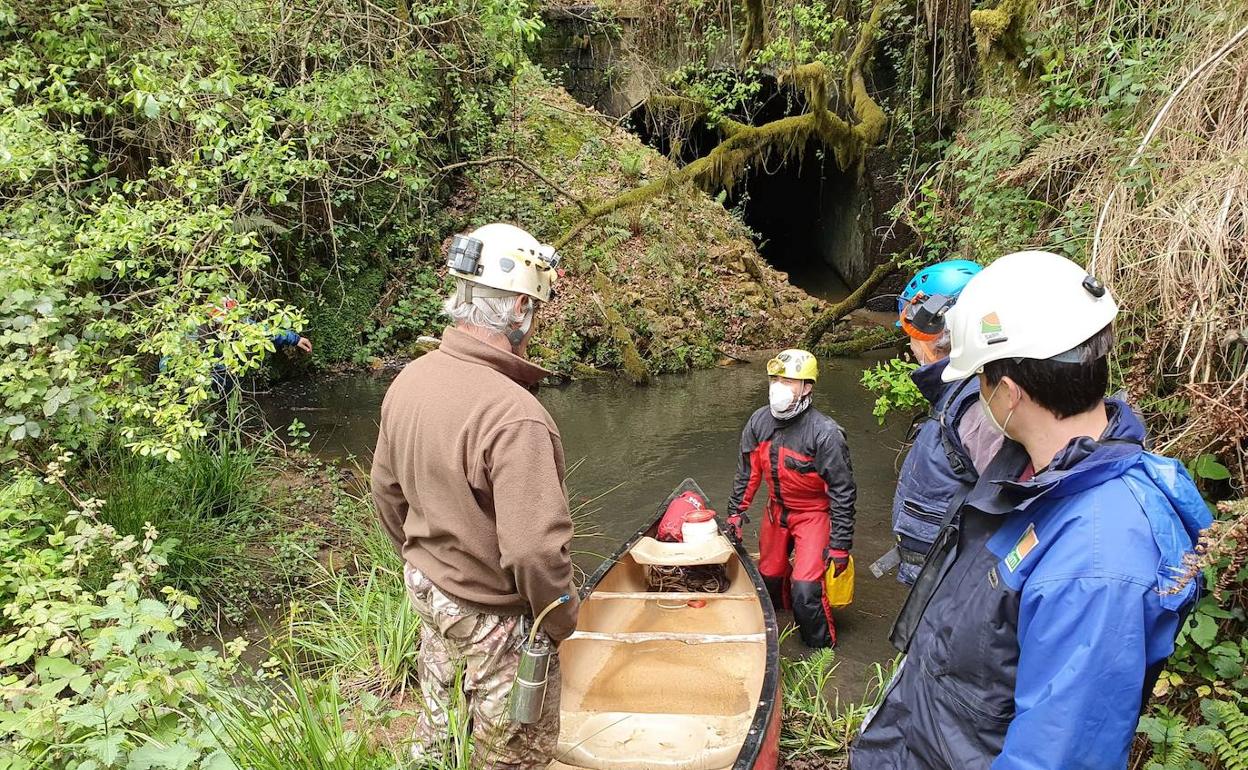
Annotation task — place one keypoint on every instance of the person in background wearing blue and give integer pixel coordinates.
(953, 442)
(1040, 622)
(225, 382)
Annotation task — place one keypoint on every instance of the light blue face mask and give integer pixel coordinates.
(984, 403)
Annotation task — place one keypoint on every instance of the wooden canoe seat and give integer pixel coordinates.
(653, 552)
(687, 637)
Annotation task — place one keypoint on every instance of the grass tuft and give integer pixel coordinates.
(362, 632)
(813, 723)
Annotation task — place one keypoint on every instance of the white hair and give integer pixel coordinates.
(497, 314)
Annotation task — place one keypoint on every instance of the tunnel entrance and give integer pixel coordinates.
(807, 215)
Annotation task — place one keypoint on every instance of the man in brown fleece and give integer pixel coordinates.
(468, 480)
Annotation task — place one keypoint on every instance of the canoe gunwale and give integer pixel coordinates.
(769, 698)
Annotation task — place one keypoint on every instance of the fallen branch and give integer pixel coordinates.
(857, 299)
(630, 359)
(522, 164)
(861, 343)
(724, 163)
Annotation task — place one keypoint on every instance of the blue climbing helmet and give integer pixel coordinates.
(946, 278)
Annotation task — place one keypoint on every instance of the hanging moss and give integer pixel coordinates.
(630, 360)
(754, 37)
(998, 31)
(744, 145)
(871, 118)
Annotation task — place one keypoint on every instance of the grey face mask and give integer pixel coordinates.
(516, 336)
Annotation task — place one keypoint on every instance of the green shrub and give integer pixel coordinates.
(157, 159)
(94, 678)
(896, 390)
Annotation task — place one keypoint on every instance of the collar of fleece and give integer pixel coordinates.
(462, 345)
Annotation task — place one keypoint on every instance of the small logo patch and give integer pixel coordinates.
(993, 580)
(991, 329)
(1025, 545)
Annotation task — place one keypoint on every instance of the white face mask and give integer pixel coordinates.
(985, 404)
(780, 396)
(784, 404)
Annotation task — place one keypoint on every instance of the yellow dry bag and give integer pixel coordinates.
(839, 589)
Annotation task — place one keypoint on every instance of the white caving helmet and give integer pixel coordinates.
(502, 260)
(1030, 304)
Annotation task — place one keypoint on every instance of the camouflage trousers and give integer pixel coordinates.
(486, 649)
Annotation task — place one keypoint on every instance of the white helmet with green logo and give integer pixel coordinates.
(1030, 304)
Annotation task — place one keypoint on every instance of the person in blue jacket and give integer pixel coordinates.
(223, 380)
(1040, 622)
(953, 442)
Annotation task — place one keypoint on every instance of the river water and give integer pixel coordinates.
(636, 444)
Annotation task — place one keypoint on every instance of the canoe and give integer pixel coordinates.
(650, 681)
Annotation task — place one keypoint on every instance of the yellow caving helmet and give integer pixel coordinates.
(794, 364)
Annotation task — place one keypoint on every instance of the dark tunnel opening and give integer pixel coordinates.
(803, 209)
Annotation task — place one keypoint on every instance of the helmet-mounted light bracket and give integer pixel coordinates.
(548, 255)
(924, 318)
(1093, 286)
(465, 255)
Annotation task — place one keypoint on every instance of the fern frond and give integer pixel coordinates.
(1231, 741)
(1074, 146)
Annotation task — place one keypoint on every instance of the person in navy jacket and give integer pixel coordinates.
(953, 442)
(1040, 622)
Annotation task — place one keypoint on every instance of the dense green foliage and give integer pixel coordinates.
(97, 668)
(155, 160)
(1045, 150)
(1040, 131)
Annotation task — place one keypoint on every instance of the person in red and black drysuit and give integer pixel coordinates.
(809, 516)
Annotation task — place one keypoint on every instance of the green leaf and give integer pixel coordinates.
(218, 760)
(151, 107)
(1207, 467)
(57, 668)
(1203, 630)
(106, 748)
(178, 756)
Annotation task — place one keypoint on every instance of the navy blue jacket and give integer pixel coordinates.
(936, 470)
(1049, 616)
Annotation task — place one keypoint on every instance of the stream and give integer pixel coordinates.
(636, 444)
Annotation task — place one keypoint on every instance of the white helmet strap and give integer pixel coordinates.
(466, 291)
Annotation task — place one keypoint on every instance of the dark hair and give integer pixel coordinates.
(1066, 387)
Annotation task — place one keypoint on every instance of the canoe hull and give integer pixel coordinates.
(651, 681)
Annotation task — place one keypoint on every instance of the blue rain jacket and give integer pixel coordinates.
(1051, 617)
(285, 339)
